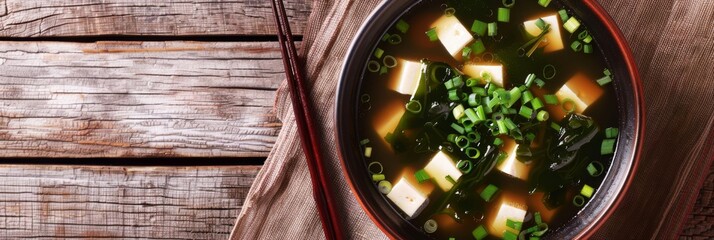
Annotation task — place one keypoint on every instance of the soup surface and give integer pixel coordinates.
(487, 119)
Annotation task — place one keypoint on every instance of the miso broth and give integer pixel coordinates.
(487, 119)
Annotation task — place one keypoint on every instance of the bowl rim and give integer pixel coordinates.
(638, 112)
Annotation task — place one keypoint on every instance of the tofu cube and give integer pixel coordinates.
(452, 34)
(511, 165)
(508, 207)
(407, 198)
(440, 166)
(582, 90)
(408, 80)
(477, 70)
(553, 40)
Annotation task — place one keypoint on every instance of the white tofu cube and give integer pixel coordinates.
(477, 70)
(553, 40)
(452, 34)
(408, 80)
(582, 90)
(408, 198)
(511, 165)
(441, 166)
(508, 207)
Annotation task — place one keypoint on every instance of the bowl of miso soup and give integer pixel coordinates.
(489, 119)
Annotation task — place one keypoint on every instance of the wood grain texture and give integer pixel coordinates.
(700, 223)
(138, 99)
(73, 202)
(679, 96)
(61, 18)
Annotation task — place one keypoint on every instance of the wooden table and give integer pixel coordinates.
(124, 85)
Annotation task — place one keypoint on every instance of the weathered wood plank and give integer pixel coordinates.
(700, 224)
(53, 18)
(138, 99)
(121, 202)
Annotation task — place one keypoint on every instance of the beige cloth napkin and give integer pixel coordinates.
(284, 183)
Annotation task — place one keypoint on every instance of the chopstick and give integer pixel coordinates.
(305, 124)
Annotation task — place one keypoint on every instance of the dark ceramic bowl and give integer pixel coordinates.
(631, 124)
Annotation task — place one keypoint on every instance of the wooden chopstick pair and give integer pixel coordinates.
(305, 124)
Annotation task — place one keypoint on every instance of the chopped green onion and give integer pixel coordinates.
(530, 136)
(449, 12)
(471, 114)
(472, 82)
(492, 29)
(504, 15)
(606, 72)
(364, 141)
(587, 191)
(472, 152)
(394, 39)
(555, 126)
(540, 24)
(539, 82)
(458, 111)
(485, 103)
(563, 15)
(413, 106)
(536, 104)
(431, 33)
(527, 97)
(421, 176)
(595, 168)
(544, 3)
(451, 137)
(543, 228)
(568, 105)
(464, 166)
(542, 116)
(479, 27)
(461, 141)
(529, 79)
(607, 147)
(450, 179)
(526, 112)
(578, 201)
(479, 91)
(583, 35)
(480, 113)
(588, 39)
(458, 128)
(502, 129)
(389, 61)
(383, 70)
(365, 98)
(466, 52)
(587, 48)
(384, 187)
(550, 99)
(513, 96)
(378, 53)
(373, 66)
(515, 225)
(497, 142)
(508, 235)
(508, 3)
(377, 177)
(538, 218)
(474, 100)
(571, 25)
(604, 80)
(479, 233)
(474, 137)
(454, 95)
(368, 152)
(577, 46)
(510, 124)
(430, 226)
(611, 132)
(488, 192)
(530, 238)
(402, 26)
(549, 72)
(477, 47)
(369, 167)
